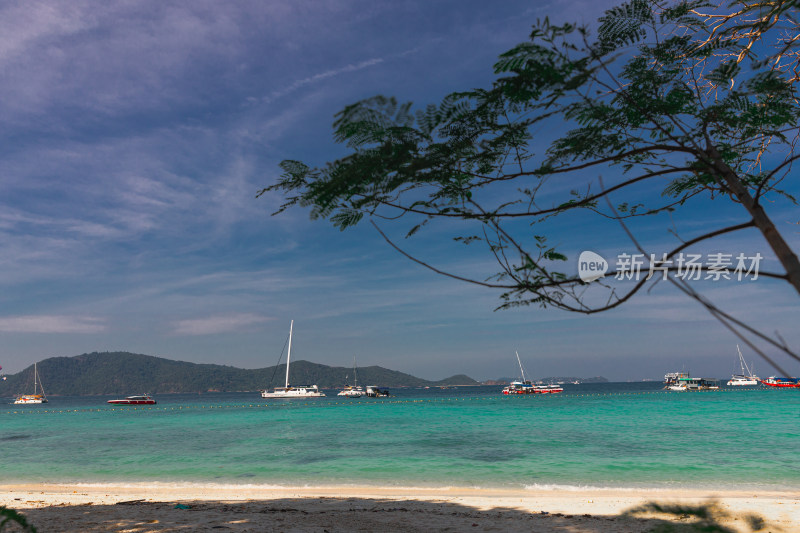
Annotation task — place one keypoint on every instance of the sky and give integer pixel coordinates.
(135, 136)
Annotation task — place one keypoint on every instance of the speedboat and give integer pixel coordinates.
(775, 381)
(142, 399)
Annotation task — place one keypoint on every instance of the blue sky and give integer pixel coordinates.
(136, 134)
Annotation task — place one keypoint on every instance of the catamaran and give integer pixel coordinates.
(306, 391)
(524, 386)
(746, 377)
(33, 398)
(352, 391)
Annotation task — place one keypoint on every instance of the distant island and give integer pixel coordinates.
(123, 373)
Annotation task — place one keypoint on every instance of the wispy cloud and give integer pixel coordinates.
(321, 76)
(217, 324)
(51, 324)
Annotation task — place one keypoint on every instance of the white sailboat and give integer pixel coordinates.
(746, 377)
(306, 391)
(33, 398)
(352, 391)
(524, 386)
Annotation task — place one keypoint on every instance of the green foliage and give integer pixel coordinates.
(10, 516)
(688, 94)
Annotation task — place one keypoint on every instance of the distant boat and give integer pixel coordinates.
(745, 378)
(686, 383)
(547, 389)
(779, 382)
(375, 392)
(352, 391)
(142, 399)
(672, 380)
(306, 391)
(524, 386)
(33, 398)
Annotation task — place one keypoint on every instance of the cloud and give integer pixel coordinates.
(217, 324)
(322, 76)
(51, 324)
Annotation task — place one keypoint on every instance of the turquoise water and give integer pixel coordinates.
(604, 435)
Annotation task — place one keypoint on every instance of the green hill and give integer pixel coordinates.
(129, 373)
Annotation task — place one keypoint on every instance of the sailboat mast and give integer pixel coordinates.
(289, 353)
(743, 363)
(35, 378)
(355, 375)
(520, 367)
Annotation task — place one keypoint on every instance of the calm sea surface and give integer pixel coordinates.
(599, 435)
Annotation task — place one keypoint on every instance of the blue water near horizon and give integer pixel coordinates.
(616, 435)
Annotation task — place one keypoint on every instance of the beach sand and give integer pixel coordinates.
(184, 508)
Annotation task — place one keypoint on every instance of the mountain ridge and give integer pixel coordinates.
(100, 373)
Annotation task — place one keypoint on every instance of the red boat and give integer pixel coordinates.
(775, 381)
(134, 400)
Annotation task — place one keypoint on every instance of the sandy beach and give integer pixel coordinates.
(165, 507)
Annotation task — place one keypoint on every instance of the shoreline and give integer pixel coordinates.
(115, 507)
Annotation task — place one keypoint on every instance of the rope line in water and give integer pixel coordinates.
(351, 403)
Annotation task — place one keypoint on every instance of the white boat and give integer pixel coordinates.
(305, 391)
(352, 391)
(540, 388)
(376, 392)
(33, 398)
(687, 383)
(745, 378)
(524, 386)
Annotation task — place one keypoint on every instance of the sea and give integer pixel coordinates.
(598, 435)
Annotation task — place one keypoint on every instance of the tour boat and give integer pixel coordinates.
(142, 399)
(692, 384)
(375, 392)
(745, 378)
(775, 381)
(672, 380)
(33, 398)
(306, 391)
(547, 389)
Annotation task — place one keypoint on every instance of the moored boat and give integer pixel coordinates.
(352, 391)
(775, 381)
(672, 380)
(692, 384)
(547, 389)
(35, 397)
(524, 386)
(745, 378)
(141, 399)
(290, 392)
(375, 392)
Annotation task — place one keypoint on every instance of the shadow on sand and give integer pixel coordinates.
(334, 515)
